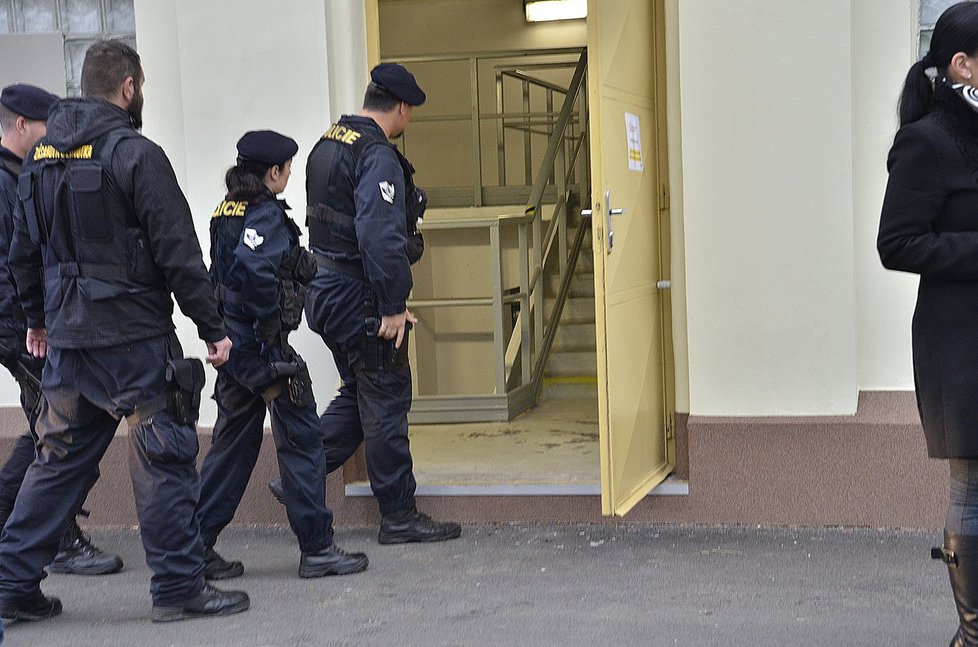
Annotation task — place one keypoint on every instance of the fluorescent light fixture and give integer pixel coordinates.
(541, 10)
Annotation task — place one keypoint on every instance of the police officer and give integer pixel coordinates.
(102, 237)
(362, 215)
(23, 117)
(260, 272)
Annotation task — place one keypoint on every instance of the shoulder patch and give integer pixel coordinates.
(252, 238)
(387, 192)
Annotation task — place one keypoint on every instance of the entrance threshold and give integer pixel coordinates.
(672, 486)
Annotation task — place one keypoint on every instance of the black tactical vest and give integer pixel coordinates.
(331, 210)
(85, 223)
(296, 270)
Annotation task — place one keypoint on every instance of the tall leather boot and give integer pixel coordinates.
(960, 553)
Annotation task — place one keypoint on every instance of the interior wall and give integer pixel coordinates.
(217, 69)
(767, 137)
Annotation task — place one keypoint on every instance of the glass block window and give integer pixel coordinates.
(930, 11)
(81, 23)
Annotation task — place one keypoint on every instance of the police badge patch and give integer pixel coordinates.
(387, 192)
(252, 239)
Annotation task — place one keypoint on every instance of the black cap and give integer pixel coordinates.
(267, 147)
(27, 101)
(399, 82)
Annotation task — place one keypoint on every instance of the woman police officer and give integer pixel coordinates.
(259, 271)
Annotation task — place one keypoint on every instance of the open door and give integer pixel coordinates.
(624, 41)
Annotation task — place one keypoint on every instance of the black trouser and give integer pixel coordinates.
(237, 440)
(24, 370)
(86, 393)
(373, 402)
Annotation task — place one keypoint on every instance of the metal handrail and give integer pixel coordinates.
(521, 359)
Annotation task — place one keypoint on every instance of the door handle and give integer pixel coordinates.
(611, 212)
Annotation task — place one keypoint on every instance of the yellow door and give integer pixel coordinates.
(624, 39)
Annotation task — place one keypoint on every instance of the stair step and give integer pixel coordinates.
(582, 285)
(570, 335)
(576, 310)
(578, 363)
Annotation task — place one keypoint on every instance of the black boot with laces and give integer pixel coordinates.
(77, 555)
(413, 526)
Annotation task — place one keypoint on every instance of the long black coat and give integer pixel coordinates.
(929, 226)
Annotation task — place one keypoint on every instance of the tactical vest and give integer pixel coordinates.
(86, 225)
(296, 270)
(331, 210)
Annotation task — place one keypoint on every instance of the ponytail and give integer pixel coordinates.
(246, 181)
(918, 93)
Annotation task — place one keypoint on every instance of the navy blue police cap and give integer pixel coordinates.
(27, 101)
(399, 82)
(267, 147)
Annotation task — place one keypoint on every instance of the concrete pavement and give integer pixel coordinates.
(523, 584)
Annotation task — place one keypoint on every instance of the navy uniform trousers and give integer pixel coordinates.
(86, 393)
(237, 440)
(372, 405)
(13, 471)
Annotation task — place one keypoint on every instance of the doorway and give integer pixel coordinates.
(567, 442)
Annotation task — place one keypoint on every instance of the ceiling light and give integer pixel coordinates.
(541, 10)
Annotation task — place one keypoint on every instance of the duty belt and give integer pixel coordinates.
(352, 269)
(103, 271)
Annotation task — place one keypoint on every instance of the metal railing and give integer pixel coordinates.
(559, 184)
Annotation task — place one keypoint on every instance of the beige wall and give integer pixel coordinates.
(884, 46)
(767, 145)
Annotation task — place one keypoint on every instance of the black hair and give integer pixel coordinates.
(107, 64)
(246, 181)
(378, 99)
(956, 31)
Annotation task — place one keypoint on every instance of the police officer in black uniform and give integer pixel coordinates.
(23, 119)
(260, 272)
(362, 215)
(102, 237)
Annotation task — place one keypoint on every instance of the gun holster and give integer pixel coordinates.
(291, 378)
(186, 379)
(380, 354)
(181, 399)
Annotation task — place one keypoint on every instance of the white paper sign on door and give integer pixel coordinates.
(633, 132)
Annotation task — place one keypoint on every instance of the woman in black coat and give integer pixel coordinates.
(929, 226)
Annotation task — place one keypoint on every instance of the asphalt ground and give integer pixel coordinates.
(525, 584)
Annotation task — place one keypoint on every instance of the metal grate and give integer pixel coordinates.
(80, 22)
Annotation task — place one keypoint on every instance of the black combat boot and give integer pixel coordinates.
(36, 606)
(960, 553)
(331, 561)
(412, 526)
(275, 487)
(208, 603)
(218, 568)
(77, 555)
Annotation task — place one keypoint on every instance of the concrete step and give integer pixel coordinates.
(579, 388)
(574, 336)
(582, 284)
(572, 363)
(576, 310)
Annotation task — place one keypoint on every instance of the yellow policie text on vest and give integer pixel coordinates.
(230, 208)
(48, 152)
(342, 134)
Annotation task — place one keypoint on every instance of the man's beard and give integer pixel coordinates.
(135, 110)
